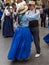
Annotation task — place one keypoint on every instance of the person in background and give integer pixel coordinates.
(8, 22)
(15, 12)
(1, 13)
(1, 5)
(46, 37)
(43, 18)
(48, 11)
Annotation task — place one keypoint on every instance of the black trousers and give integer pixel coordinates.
(43, 20)
(43, 23)
(35, 33)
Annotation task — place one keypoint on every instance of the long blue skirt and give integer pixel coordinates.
(8, 27)
(21, 44)
(46, 38)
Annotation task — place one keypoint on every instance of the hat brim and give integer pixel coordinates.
(31, 4)
(24, 10)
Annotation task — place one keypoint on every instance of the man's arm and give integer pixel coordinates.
(36, 16)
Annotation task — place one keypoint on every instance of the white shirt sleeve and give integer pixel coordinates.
(6, 12)
(38, 15)
(35, 16)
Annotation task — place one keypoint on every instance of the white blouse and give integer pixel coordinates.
(7, 13)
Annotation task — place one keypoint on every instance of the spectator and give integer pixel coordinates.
(0, 16)
(43, 17)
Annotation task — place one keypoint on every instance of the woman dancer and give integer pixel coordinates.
(8, 22)
(46, 38)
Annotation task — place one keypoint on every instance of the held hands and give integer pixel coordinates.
(11, 11)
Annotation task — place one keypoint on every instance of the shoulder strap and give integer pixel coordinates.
(35, 10)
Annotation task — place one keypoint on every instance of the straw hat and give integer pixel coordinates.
(31, 2)
(22, 7)
(23, 10)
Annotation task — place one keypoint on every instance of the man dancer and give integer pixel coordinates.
(34, 26)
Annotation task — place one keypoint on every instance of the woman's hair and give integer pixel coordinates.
(13, 4)
(7, 4)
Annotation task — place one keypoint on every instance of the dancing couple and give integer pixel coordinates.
(25, 33)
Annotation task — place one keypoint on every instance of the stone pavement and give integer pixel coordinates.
(42, 60)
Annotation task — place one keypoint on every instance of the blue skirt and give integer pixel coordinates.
(21, 44)
(46, 38)
(8, 27)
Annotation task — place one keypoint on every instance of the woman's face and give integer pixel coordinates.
(31, 7)
(14, 6)
(8, 7)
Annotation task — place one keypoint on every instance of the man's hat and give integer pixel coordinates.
(31, 3)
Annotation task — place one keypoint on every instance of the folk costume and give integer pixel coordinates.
(46, 38)
(34, 25)
(22, 39)
(8, 24)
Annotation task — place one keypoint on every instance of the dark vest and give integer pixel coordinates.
(33, 23)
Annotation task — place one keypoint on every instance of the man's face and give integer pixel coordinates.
(31, 7)
(48, 1)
